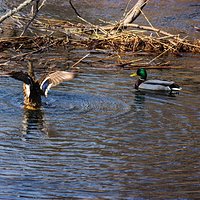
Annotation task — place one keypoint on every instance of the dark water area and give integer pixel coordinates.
(95, 137)
(175, 16)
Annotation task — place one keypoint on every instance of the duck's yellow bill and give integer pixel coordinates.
(133, 74)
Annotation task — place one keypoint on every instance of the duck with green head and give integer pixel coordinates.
(143, 84)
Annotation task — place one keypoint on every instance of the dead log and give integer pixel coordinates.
(15, 10)
(134, 12)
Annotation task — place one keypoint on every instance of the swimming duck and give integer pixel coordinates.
(154, 85)
(33, 89)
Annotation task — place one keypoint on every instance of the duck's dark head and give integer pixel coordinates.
(142, 73)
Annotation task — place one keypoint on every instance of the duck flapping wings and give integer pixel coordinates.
(45, 83)
(54, 79)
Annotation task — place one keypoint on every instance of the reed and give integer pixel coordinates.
(115, 39)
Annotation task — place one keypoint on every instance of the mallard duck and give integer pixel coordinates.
(154, 85)
(34, 89)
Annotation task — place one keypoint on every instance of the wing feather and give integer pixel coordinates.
(21, 76)
(54, 79)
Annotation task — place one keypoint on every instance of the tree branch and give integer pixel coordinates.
(15, 10)
(70, 2)
(37, 8)
(134, 12)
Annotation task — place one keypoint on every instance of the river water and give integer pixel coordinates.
(96, 138)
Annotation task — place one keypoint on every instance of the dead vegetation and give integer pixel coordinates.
(116, 41)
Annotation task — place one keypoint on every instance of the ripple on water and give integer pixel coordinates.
(97, 146)
(93, 105)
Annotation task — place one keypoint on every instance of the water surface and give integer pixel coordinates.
(95, 137)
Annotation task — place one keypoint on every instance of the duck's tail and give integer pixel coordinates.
(175, 87)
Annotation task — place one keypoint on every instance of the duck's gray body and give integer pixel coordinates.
(159, 85)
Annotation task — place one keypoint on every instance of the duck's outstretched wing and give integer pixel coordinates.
(24, 77)
(54, 79)
(21, 76)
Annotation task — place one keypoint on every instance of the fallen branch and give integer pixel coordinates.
(80, 60)
(37, 8)
(134, 12)
(149, 28)
(15, 10)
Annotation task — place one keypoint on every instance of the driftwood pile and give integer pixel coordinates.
(122, 38)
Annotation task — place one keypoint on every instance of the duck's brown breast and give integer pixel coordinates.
(32, 96)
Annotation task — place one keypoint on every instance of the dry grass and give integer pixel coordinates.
(135, 38)
(48, 33)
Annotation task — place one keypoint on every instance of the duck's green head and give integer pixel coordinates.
(141, 72)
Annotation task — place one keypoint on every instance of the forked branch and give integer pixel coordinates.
(15, 10)
(134, 12)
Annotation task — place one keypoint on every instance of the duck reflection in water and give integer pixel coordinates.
(34, 123)
(33, 120)
(150, 96)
